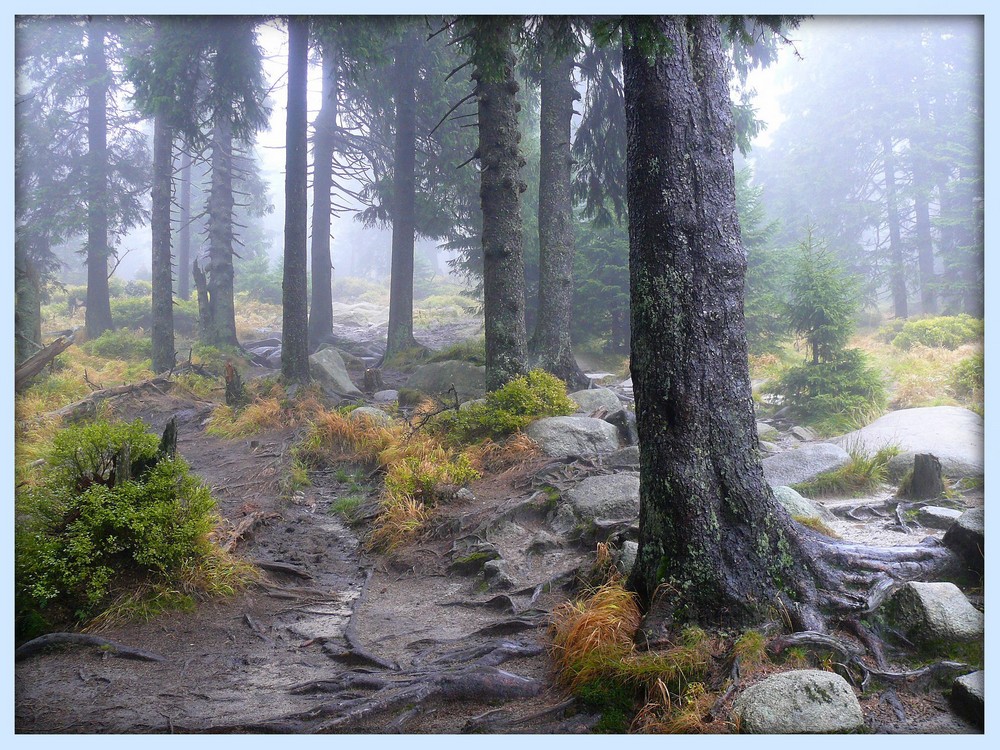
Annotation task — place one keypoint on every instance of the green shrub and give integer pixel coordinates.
(83, 530)
(132, 312)
(121, 344)
(967, 378)
(949, 331)
(509, 409)
(837, 394)
(137, 288)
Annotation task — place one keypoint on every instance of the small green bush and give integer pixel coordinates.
(132, 312)
(82, 530)
(967, 378)
(836, 394)
(137, 288)
(949, 331)
(509, 409)
(121, 344)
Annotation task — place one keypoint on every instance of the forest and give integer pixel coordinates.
(591, 374)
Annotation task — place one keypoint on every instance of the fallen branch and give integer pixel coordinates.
(34, 364)
(44, 642)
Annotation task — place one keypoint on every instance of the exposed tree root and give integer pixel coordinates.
(83, 639)
(495, 721)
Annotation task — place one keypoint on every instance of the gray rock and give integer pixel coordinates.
(564, 520)
(766, 431)
(932, 613)
(376, 416)
(626, 458)
(625, 559)
(968, 696)
(805, 701)
(496, 577)
(387, 396)
(768, 448)
(803, 433)
(967, 537)
(592, 399)
(606, 498)
(953, 434)
(436, 378)
(327, 366)
(935, 517)
(574, 436)
(624, 421)
(803, 463)
(800, 506)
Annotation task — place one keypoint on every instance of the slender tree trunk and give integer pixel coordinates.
(98, 318)
(404, 82)
(321, 309)
(294, 286)
(969, 240)
(184, 230)
(27, 302)
(162, 261)
(897, 271)
(500, 195)
(923, 185)
(218, 268)
(550, 347)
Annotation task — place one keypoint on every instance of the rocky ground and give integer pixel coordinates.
(448, 635)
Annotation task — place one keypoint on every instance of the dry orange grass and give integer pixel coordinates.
(490, 457)
(269, 409)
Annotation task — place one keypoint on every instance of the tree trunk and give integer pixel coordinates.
(550, 347)
(923, 185)
(218, 268)
(404, 82)
(27, 302)
(162, 271)
(98, 318)
(969, 240)
(184, 231)
(321, 309)
(294, 286)
(897, 271)
(500, 196)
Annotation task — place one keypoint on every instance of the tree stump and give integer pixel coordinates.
(235, 393)
(373, 380)
(925, 481)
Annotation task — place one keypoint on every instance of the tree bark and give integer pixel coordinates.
(404, 80)
(218, 267)
(550, 347)
(184, 230)
(897, 272)
(500, 196)
(294, 287)
(98, 318)
(162, 261)
(321, 309)
(923, 185)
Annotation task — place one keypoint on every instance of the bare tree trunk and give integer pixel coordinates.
(500, 195)
(184, 230)
(923, 187)
(404, 81)
(98, 319)
(218, 268)
(162, 270)
(294, 287)
(550, 347)
(321, 309)
(897, 272)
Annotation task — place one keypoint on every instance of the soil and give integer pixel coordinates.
(330, 639)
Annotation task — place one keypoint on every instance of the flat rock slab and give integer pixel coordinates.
(936, 517)
(968, 696)
(606, 497)
(932, 613)
(592, 399)
(574, 436)
(804, 701)
(803, 463)
(953, 434)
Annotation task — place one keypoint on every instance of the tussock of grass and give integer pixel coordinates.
(816, 525)
(491, 457)
(269, 409)
(865, 472)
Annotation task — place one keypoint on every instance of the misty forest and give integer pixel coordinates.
(499, 374)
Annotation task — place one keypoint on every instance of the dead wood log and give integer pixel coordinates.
(34, 364)
(44, 642)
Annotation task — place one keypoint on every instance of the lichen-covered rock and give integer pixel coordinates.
(606, 498)
(625, 458)
(376, 416)
(574, 436)
(592, 399)
(799, 506)
(803, 463)
(805, 701)
(766, 431)
(436, 378)
(967, 537)
(934, 613)
(327, 366)
(968, 696)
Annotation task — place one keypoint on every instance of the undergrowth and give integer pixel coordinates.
(865, 472)
(269, 409)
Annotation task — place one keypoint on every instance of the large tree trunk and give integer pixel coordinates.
(897, 264)
(162, 271)
(220, 319)
(321, 309)
(714, 545)
(500, 196)
(404, 82)
(184, 230)
(294, 286)
(550, 347)
(98, 318)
